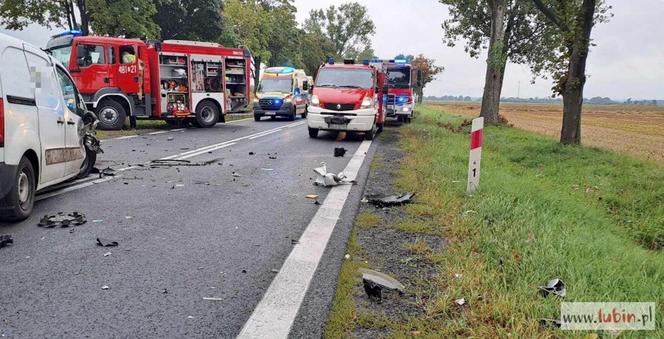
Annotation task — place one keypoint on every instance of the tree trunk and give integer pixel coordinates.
(495, 64)
(85, 17)
(576, 76)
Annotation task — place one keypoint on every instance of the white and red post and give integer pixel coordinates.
(475, 154)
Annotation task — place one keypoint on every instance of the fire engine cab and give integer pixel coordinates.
(347, 97)
(177, 81)
(400, 82)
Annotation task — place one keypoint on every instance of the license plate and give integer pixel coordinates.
(270, 113)
(390, 106)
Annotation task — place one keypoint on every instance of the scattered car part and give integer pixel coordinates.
(328, 179)
(550, 323)
(105, 287)
(107, 254)
(106, 243)
(375, 282)
(460, 301)
(62, 220)
(6, 240)
(379, 200)
(555, 286)
(339, 152)
(180, 163)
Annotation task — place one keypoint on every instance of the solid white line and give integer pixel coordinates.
(178, 130)
(205, 151)
(125, 137)
(73, 188)
(158, 132)
(264, 134)
(275, 314)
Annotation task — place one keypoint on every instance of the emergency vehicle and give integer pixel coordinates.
(400, 81)
(282, 92)
(174, 80)
(347, 97)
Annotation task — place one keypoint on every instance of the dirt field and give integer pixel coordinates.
(636, 130)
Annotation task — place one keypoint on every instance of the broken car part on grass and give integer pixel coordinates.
(555, 286)
(62, 220)
(6, 240)
(376, 282)
(381, 201)
(326, 179)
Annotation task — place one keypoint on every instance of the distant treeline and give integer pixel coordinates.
(537, 100)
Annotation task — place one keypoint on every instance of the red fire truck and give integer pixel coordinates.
(400, 82)
(178, 81)
(347, 97)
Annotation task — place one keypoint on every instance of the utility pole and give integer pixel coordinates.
(518, 91)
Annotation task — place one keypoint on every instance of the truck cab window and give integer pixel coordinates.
(128, 55)
(90, 55)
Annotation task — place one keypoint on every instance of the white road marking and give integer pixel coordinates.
(264, 134)
(205, 151)
(73, 188)
(126, 137)
(276, 312)
(178, 130)
(158, 132)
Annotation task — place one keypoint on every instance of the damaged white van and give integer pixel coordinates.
(46, 133)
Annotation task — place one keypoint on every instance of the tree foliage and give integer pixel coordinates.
(348, 27)
(17, 14)
(190, 19)
(426, 70)
(129, 18)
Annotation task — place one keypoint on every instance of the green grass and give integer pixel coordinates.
(589, 216)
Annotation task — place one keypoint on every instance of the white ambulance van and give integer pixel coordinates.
(43, 127)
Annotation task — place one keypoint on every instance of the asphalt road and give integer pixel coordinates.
(185, 233)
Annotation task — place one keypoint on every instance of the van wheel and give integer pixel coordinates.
(88, 163)
(111, 115)
(313, 133)
(17, 204)
(257, 118)
(293, 114)
(207, 114)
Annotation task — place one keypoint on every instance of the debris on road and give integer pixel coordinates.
(347, 256)
(6, 240)
(389, 200)
(251, 153)
(275, 271)
(375, 282)
(62, 220)
(170, 139)
(106, 242)
(107, 254)
(326, 179)
(236, 174)
(339, 152)
(106, 172)
(212, 299)
(555, 286)
(164, 291)
(313, 197)
(105, 287)
(272, 157)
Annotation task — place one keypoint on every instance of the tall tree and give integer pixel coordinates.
(17, 14)
(315, 48)
(426, 71)
(512, 31)
(190, 19)
(129, 18)
(571, 22)
(348, 27)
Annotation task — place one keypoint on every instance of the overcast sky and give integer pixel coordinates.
(628, 61)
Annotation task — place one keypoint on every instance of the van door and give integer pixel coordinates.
(74, 150)
(51, 116)
(91, 70)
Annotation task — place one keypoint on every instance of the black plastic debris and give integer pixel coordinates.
(376, 282)
(555, 286)
(550, 323)
(379, 200)
(251, 153)
(62, 220)
(273, 157)
(6, 240)
(106, 172)
(339, 152)
(106, 243)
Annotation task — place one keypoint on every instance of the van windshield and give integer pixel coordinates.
(62, 54)
(276, 85)
(343, 77)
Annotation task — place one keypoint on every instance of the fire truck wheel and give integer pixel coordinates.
(111, 115)
(313, 133)
(380, 128)
(207, 114)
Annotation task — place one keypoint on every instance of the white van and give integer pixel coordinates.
(43, 127)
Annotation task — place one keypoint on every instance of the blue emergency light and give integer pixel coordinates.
(402, 99)
(331, 61)
(400, 61)
(69, 33)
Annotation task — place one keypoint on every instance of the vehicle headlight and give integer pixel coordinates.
(255, 101)
(288, 100)
(314, 100)
(367, 102)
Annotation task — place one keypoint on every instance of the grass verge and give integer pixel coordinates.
(591, 217)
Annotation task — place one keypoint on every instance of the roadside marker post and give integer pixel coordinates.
(476, 135)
